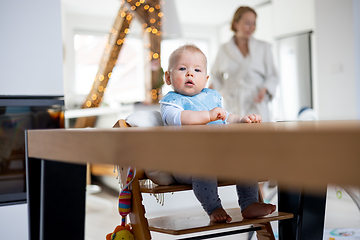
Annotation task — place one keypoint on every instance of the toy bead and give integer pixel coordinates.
(125, 197)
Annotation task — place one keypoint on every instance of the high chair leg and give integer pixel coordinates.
(138, 220)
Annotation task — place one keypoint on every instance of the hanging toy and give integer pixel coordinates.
(120, 233)
(124, 231)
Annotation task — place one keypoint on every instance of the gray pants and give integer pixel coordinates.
(206, 191)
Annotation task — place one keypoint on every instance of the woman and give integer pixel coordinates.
(244, 71)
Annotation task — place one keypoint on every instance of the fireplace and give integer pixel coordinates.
(17, 114)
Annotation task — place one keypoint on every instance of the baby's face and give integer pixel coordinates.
(188, 75)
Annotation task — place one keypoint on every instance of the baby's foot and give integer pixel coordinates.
(258, 209)
(220, 215)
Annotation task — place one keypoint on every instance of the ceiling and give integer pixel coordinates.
(201, 12)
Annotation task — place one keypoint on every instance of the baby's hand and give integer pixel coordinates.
(251, 118)
(217, 113)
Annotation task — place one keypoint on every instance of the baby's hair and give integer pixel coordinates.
(180, 50)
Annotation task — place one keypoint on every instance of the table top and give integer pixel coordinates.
(310, 153)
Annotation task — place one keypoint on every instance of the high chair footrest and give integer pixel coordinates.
(175, 188)
(198, 222)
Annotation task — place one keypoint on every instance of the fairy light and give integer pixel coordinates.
(133, 8)
(109, 74)
(88, 103)
(137, 4)
(160, 14)
(155, 55)
(151, 9)
(146, 7)
(101, 78)
(100, 88)
(152, 20)
(94, 97)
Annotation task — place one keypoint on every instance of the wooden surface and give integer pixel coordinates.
(197, 222)
(310, 154)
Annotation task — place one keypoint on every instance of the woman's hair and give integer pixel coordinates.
(180, 50)
(239, 13)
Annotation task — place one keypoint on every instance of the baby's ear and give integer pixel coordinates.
(167, 78)
(207, 77)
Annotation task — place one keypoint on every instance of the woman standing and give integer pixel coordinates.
(244, 71)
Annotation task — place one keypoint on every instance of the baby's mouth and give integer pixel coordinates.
(189, 83)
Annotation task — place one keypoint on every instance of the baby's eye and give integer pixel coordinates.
(182, 69)
(197, 70)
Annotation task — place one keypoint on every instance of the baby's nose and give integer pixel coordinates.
(189, 74)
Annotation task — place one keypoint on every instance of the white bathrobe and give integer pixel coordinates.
(240, 78)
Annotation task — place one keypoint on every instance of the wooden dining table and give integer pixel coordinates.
(302, 156)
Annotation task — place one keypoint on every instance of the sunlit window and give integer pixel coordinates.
(127, 80)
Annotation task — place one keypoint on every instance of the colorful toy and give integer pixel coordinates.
(124, 231)
(121, 233)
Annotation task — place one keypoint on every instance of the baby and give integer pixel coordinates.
(191, 103)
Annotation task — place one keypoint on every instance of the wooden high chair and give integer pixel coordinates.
(191, 223)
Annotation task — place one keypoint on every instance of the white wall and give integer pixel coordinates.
(14, 222)
(335, 60)
(356, 10)
(292, 16)
(31, 48)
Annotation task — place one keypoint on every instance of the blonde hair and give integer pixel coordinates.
(239, 13)
(180, 50)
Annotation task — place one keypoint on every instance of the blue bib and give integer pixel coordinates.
(206, 100)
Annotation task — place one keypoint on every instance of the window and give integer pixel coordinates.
(127, 80)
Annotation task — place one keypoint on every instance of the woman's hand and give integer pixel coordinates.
(261, 95)
(251, 118)
(217, 114)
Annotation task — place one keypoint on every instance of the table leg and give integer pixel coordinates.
(56, 200)
(309, 214)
